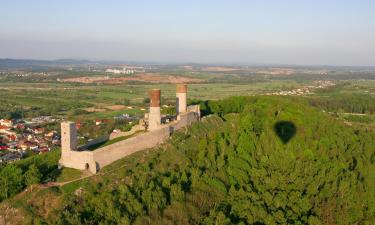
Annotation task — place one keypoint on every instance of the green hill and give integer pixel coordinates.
(254, 160)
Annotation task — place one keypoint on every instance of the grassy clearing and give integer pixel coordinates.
(71, 187)
(66, 99)
(96, 94)
(110, 142)
(106, 114)
(67, 174)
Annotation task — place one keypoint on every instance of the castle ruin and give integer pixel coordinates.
(155, 132)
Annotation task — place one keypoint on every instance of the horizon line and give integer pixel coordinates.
(161, 62)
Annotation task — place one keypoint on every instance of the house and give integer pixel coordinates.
(51, 134)
(4, 129)
(34, 147)
(30, 137)
(4, 147)
(12, 145)
(39, 130)
(42, 119)
(56, 141)
(44, 149)
(98, 122)
(20, 126)
(78, 125)
(10, 157)
(26, 145)
(5, 122)
(11, 137)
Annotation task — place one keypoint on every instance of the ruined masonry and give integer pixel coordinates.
(156, 132)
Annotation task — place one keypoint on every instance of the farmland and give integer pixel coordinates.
(64, 98)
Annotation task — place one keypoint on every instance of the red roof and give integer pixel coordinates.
(103, 120)
(12, 137)
(4, 127)
(43, 149)
(4, 147)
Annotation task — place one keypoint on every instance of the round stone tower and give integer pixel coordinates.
(181, 96)
(154, 118)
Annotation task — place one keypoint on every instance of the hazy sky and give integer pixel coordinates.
(329, 32)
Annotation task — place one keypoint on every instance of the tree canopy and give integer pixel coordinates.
(234, 168)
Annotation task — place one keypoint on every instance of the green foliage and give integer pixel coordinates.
(11, 181)
(350, 103)
(124, 101)
(32, 176)
(32, 170)
(233, 168)
(168, 110)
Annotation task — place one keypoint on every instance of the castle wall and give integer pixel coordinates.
(97, 159)
(184, 120)
(108, 154)
(80, 160)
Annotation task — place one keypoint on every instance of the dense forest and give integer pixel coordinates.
(27, 172)
(252, 160)
(349, 103)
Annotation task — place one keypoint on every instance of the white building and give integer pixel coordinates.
(123, 71)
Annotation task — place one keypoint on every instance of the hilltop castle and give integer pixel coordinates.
(156, 132)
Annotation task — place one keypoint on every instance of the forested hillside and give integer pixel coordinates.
(254, 160)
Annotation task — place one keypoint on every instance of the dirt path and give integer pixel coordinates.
(86, 175)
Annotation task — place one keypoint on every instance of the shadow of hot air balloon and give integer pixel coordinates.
(285, 130)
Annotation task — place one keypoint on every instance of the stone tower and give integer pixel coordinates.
(154, 117)
(181, 95)
(68, 136)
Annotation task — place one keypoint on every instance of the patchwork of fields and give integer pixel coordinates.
(102, 98)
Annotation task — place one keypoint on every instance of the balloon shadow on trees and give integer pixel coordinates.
(285, 130)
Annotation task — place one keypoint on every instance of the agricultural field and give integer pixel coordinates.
(108, 100)
(99, 100)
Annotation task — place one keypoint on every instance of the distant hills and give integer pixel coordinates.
(32, 63)
(9, 64)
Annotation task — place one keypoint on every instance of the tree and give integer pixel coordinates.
(11, 181)
(32, 176)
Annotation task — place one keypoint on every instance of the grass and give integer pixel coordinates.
(68, 174)
(63, 99)
(106, 114)
(31, 93)
(71, 187)
(110, 142)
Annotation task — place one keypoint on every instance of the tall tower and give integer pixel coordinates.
(154, 118)
(181, 95)
(68, 136)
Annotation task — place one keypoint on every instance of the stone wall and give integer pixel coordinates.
(95, 160)
(184, 120)
(82, 160)
(108, 154)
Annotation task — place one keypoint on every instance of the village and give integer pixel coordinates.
(17, 137)
(20, 138)
(319, 84)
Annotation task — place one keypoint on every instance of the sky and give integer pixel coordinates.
(294, 32)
